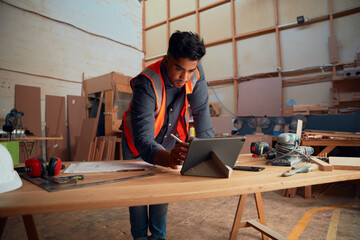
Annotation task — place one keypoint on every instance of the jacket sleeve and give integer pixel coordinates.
(143, 120)
(199, 105)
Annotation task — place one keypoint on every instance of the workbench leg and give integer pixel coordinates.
(30, 227)
(237, 224)
(239, 212)
(260, 211)
(3, 221)
(308, 192)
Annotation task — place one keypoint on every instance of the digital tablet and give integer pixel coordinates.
(227, 149)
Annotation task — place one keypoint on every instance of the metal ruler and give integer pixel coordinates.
(50, 186)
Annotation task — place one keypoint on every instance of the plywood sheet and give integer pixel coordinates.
(260, 97)
(222, 125)
(55, 126)
(85, 140)
(76, 113)
(27, 100)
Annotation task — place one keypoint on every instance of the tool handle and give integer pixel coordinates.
(296, 170)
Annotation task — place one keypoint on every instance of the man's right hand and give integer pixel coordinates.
(172, 159)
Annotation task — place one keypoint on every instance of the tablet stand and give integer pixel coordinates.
(212, 167)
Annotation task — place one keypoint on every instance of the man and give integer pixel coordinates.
(159, 107)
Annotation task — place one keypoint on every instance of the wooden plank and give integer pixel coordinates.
(332, 134)
(76, 113)
(347, 163)
(323, 166)
(109, 104)
(55, 126)
(265, 230)
(85, 139)
(27, 100)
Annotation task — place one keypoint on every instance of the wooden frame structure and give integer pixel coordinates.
(111, 83)
(277, 28)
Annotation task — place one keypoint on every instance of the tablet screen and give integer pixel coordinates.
(226, 148)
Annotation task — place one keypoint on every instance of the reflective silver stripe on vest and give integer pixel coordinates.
(156, 79)
(194, 78)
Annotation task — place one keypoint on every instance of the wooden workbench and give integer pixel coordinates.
(166, 186)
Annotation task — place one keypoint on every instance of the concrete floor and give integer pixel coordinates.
(295, 218)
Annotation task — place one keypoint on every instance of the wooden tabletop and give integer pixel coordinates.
(165, 186)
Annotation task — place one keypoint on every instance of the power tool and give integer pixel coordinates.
(262, 149)
(289, 151)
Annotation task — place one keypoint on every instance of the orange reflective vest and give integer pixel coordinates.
(153, 73)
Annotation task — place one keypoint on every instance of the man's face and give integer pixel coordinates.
(180, 70)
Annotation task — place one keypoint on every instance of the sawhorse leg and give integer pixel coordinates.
(30, 227)
(3, 221)
(259, 224)
(29, 223)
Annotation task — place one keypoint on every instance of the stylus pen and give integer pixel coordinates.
(176, 138)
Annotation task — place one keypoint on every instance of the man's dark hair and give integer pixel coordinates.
(186, 45)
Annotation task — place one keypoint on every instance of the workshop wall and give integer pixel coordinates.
(256, 46)
(50, 44)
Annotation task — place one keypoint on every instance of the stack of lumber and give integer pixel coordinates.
(313, 109)
(318, 134)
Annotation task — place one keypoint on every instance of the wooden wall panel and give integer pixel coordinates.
(55, 127)
(159, 46)
(155, 12)
(216, 28)
(309, 94)
(290, 9)
(180, 7)
(306, 46)
(253, 15)
(348, 38)
(216, 62)
(339, 5)
(257, 53)
(184, 24)
(226, 95)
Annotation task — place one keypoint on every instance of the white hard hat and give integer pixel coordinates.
(9, 179)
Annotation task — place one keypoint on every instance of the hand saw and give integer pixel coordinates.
(50, 186)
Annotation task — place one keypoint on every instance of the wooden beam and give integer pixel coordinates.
(216, 4)
(197, 17)
(144, 33)
(306, 80)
